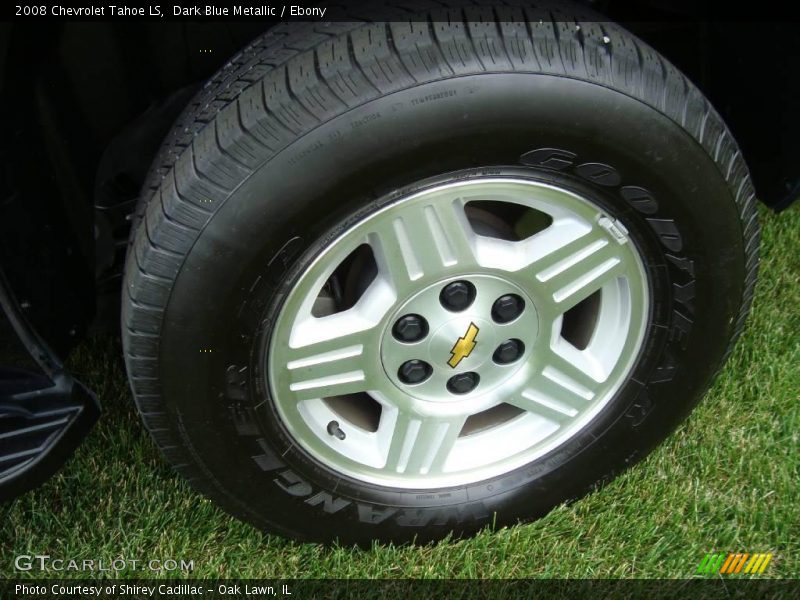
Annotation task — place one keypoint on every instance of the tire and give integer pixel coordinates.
(312, 131)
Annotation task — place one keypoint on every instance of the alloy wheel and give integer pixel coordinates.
(458, 333)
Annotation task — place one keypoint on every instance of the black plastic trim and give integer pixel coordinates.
(51, 407)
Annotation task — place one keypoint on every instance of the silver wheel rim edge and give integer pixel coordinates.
(422, 242)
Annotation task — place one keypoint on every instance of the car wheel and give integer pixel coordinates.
(398, 280)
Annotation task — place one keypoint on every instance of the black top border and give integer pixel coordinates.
(266, 11)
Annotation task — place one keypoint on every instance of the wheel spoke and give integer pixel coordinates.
(570, 261)
(580, 366)
(450, 226)
(535, 401)
(579, 269)
(335, 365)
(422, 242)
(420, 445)
(340, 384)
(527, 258)
(563, 388)
(566, 386)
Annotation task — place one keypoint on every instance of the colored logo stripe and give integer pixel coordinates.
(758, 563)
(734, 563)
(711, 563)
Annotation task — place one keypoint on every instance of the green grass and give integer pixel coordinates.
(726, 481)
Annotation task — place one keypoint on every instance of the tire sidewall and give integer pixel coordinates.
(641, 166)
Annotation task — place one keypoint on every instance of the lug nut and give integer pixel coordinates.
(463, 383)
(457, 296)
(508, 351)
(414, 371)
(507, 308)
(410, 328)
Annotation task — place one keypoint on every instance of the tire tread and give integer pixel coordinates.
(298, 75)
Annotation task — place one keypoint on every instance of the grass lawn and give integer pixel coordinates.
(728, 480)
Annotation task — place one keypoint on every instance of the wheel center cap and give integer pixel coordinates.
(462, 344)
(453, 361)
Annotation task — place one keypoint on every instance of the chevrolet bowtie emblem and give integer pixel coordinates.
(463, 346)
